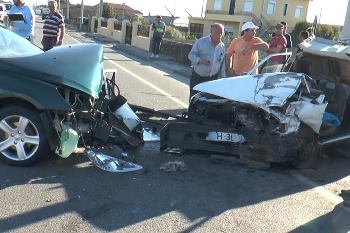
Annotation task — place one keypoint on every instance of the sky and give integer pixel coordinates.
(330, 13)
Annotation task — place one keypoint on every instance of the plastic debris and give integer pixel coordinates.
(330, 119)
(68, 141)
(173, 166)
(111, 164)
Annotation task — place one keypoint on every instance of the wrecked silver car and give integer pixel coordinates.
(282, 117)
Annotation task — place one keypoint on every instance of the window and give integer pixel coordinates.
(217, 5)
(298, 12)
(285, 10)
(248, 5)
(196, 29)
(271, 5)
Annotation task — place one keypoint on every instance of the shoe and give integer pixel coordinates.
(157, 56)
(152, 55)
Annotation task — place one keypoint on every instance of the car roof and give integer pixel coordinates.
(326, 48)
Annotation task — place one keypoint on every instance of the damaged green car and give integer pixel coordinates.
(58, 101)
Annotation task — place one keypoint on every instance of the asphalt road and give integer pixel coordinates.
(71, 195)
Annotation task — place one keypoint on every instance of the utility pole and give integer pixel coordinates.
(67, 9)
(345, 34)
(202, 9)
(81, 15)
(101, 8)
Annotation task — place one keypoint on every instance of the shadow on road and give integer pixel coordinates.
(114, 201)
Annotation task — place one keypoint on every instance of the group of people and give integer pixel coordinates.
(53, 29)
(211, 60)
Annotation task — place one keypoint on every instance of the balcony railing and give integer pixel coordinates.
(219, 12)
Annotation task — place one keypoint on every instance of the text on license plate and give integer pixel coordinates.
(225, 137)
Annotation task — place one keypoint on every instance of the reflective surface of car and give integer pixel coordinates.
(57, 101)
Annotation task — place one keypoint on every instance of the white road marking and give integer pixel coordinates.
(176, 100)
(333, 198)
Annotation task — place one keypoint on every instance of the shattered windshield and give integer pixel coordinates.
(12, 45)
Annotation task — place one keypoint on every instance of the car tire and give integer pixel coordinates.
(22, 137)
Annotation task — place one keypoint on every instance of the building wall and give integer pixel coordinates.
(259, 9)
(290, 17)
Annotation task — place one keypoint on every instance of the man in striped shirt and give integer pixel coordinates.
(53, 30)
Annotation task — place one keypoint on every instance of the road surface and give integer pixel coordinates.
(71, 195)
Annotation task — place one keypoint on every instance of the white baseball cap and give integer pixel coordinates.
(249, 25)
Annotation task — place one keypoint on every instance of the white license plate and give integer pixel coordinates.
(225, 137)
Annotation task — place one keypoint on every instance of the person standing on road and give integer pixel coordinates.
(23, 28)
(208, 57)
(242, 54)
(53, 28)
(158, 28)
(277, 44)
(287, 35)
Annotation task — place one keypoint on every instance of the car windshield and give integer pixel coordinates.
(12, 45)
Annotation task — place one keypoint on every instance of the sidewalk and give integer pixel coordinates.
(164, 62)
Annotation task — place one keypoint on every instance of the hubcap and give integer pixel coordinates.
(19, 138)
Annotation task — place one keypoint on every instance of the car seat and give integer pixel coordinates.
(336, 95)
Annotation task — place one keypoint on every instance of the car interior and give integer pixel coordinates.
(332, 78)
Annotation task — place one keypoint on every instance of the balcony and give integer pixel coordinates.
(218, 12)
(222, 15)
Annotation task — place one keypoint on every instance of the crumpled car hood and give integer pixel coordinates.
(270, 90)
(79, 66)
(265, 90)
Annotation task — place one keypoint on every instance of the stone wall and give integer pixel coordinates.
(177, 50)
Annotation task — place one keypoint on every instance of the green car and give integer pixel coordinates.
(59, 100)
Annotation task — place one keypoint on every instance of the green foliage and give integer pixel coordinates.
(301, 26)
(330, 32)
(108, 11)
(175, 34)
(143, 21)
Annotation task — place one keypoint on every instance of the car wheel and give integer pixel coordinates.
(22, 138)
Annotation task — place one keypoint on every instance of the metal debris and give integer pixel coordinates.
(173, 166)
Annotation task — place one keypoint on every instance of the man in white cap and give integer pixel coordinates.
(242, 54)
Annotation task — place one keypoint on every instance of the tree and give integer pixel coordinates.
(329, 32)
(108, 11)
(301, 26)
